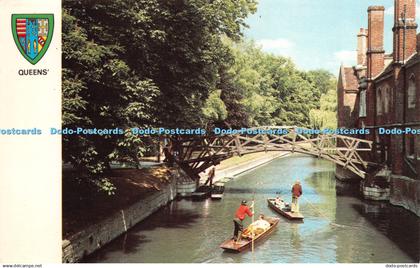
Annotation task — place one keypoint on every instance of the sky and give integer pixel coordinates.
(316, 34)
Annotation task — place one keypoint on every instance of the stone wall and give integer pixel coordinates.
(405, 192)
(76, 247)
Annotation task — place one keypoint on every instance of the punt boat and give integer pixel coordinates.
(284, 209)
(246, 243)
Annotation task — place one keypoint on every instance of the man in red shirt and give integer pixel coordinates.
(240, 214)
(296, 193)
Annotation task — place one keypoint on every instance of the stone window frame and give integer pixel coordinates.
(362, 103)
(412, 98)
(410, 146)
(386, 99)
(379, 101)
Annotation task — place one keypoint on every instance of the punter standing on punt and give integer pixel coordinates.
(240, 214)
(296, 193)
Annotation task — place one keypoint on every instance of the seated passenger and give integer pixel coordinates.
(257, 227)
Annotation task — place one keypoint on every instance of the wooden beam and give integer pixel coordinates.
(204, 151)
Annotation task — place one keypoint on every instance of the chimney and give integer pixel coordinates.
(361, 47)
(405, 29)
(375, 50)
(418, 43)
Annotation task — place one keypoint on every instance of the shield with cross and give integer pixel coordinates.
(32, 34)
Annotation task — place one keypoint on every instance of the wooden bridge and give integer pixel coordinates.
(196, 154)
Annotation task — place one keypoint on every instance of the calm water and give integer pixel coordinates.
(338, 227)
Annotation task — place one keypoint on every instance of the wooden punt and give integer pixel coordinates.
(283, 209)
(202, 192)
(217, 191)
(245, 243)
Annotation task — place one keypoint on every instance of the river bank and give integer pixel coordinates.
(141, 192)
(89, 227)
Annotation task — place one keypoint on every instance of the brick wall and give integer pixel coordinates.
(375, 58)
(405, 192)
(404, 10)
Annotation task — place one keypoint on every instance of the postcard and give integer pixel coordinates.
(210, 131)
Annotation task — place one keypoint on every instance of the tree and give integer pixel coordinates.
(326, 115)
(272, 91)
(214, 109)
(140, 63)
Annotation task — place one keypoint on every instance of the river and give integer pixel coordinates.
(338, 226)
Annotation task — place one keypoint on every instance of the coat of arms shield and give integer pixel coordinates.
(32, 34)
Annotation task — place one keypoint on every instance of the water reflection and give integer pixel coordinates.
(394, 223)
(336, 228)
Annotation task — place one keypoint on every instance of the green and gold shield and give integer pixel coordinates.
(32, 34)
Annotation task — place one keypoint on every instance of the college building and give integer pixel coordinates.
(382, 93)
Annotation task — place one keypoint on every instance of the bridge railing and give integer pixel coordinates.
(196, 154)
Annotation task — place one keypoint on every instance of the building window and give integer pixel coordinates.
(362, 104)
(385, 96)
(379, 101)
(410, 146)
(412, 92)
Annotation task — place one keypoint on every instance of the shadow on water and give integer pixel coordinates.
(399, 225)
(351, 189)
(131, 241)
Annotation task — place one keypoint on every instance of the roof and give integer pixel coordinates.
(415, 59)
(389, 67)
(349, 79)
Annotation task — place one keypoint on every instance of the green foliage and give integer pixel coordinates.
(329, 100)
(326, 115)
(322, 80)
(271, 90)
(172, 63)
(233, 96)
(140, 63)
(106, 185)
(214, 109)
